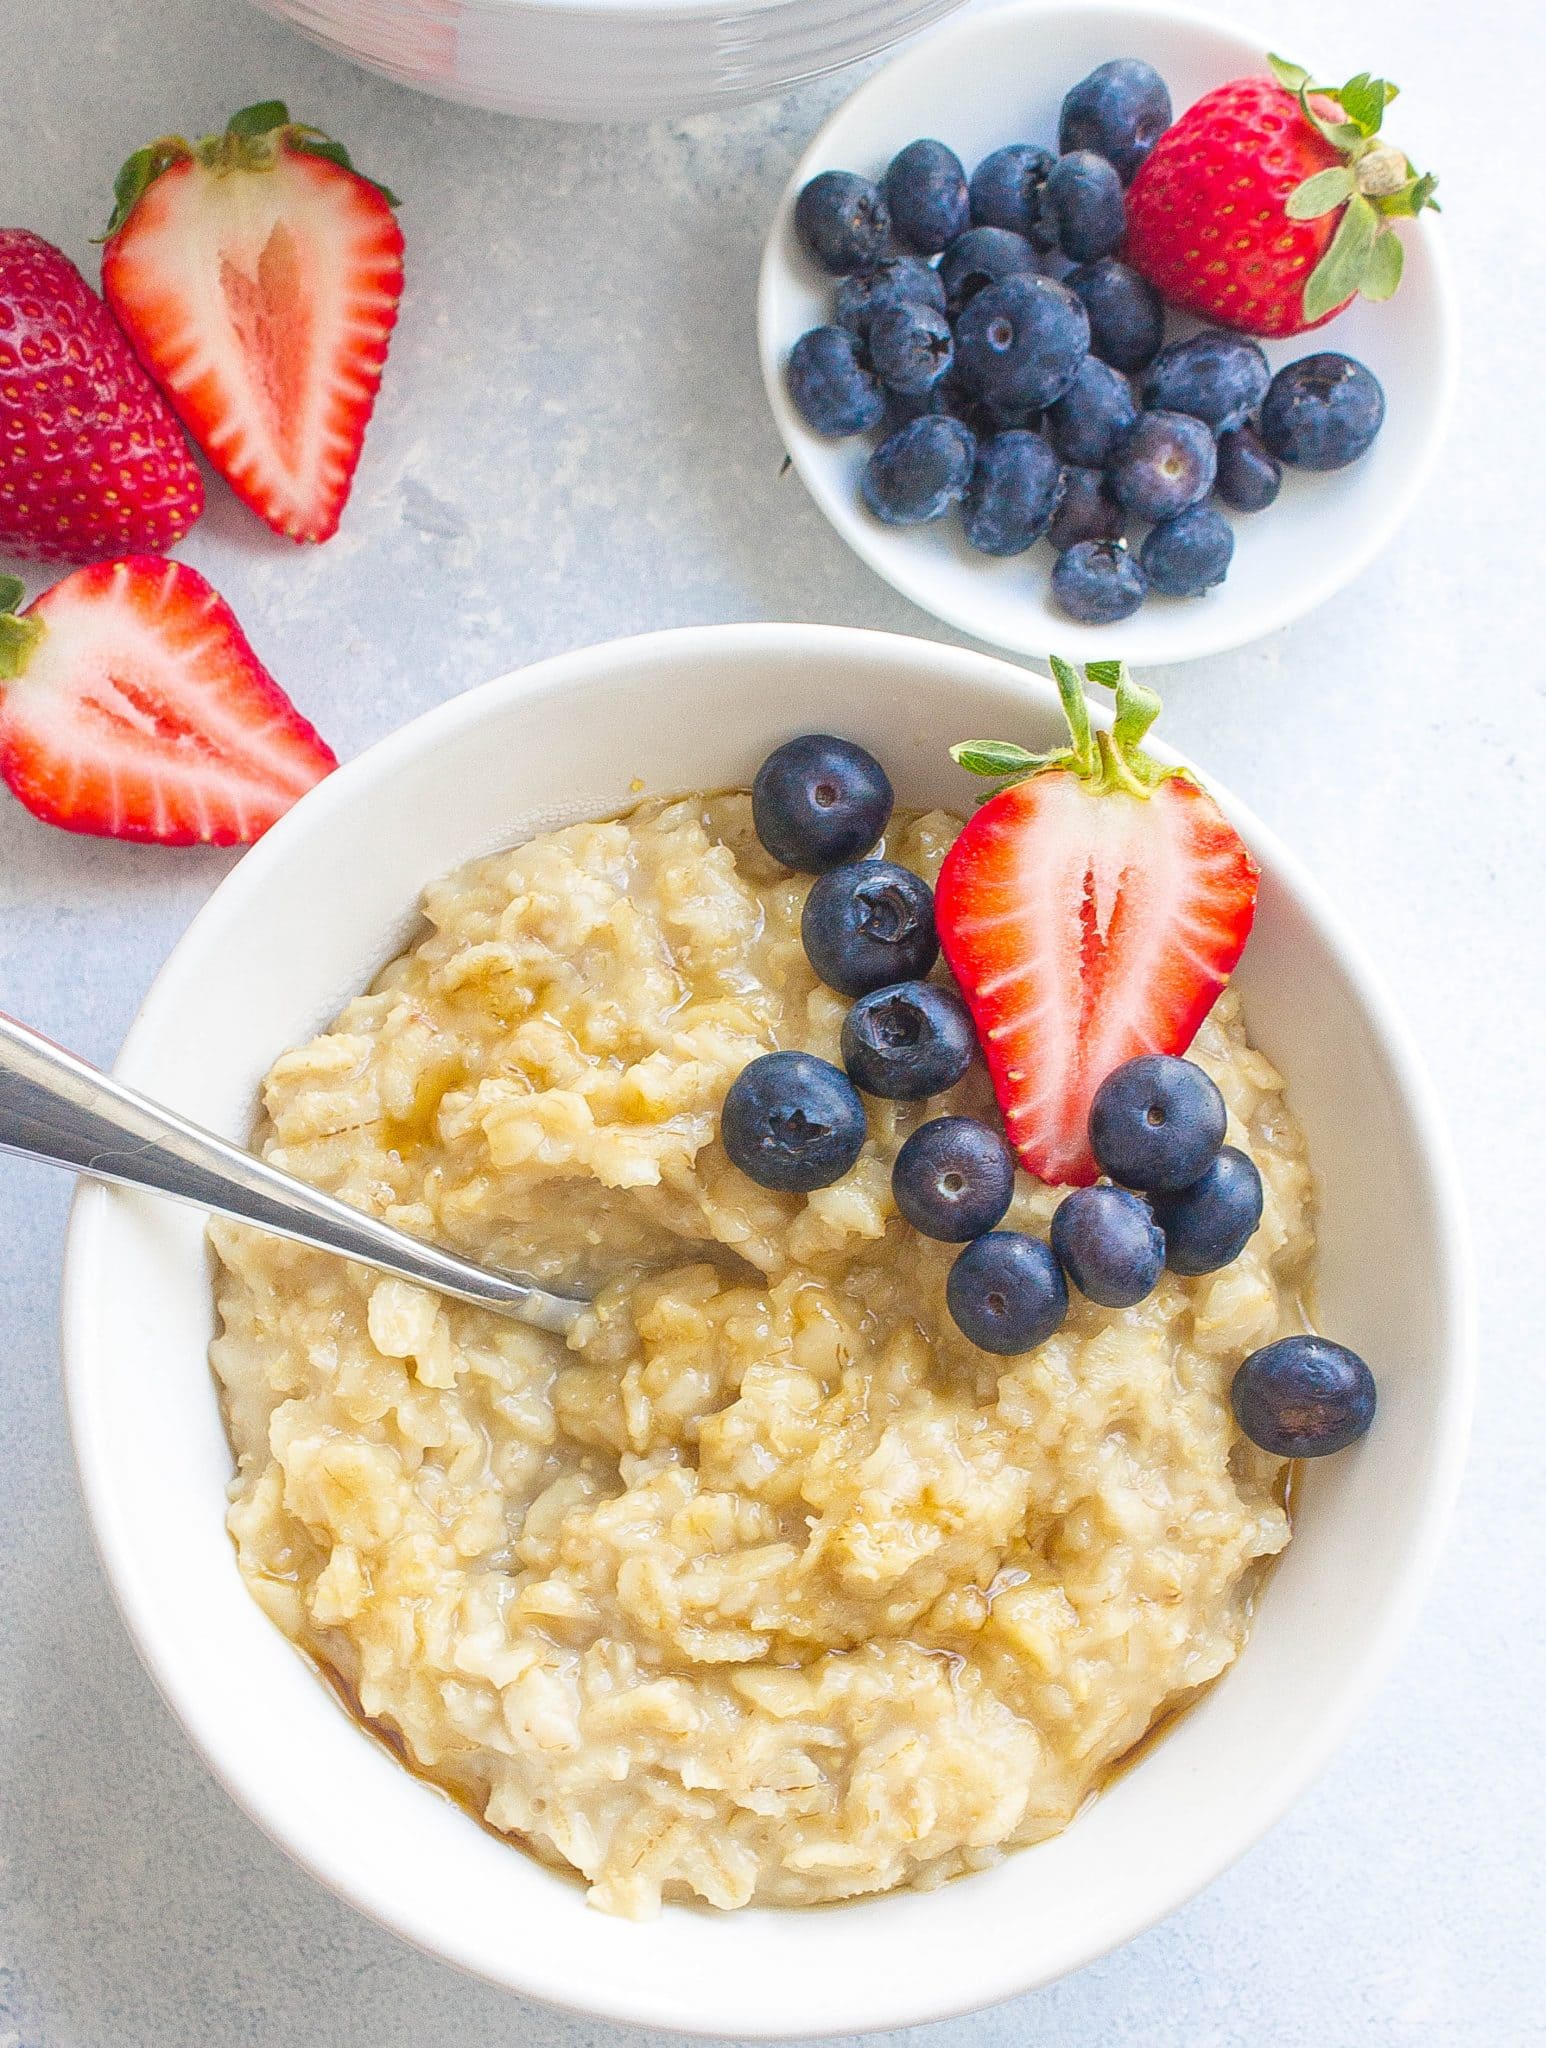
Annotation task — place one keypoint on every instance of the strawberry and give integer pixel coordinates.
(91, 459)
(258, 275)
(131, 706)
(1269, 204)
(1092, 910)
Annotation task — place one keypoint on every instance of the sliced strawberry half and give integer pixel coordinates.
(258, 274)
(1091, 910)
(132, 706)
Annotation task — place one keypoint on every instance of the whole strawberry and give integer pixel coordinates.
(1269, 204)
(92, 460)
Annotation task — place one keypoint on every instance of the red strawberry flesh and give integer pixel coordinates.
(141, 712)
(92, 460)
(261, 293)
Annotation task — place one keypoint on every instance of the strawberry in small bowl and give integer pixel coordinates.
(1082, 327)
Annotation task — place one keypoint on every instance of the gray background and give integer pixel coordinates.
(572, 444)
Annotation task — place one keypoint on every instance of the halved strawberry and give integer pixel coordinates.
(132, 706)
(1091, 910)
(258, 274)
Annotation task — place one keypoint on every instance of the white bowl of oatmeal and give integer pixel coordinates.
(768, 1594)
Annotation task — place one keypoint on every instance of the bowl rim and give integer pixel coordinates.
(876, 545)
(94, 1216)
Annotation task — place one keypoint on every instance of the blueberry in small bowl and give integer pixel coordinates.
(1165, 462)
(920, 471)
(910, 348)
(894, 281)
(843, 221)
(1099, 582)
(1126, 314)
(980, 257)
(831, 386)
(1218, 378)
(1006, 190)
(1016, 487)
(1322, 412)
(1082, 203)
(925, 188)
(1184, 556)
(1120, 111)
(1021, 342)
(1248, 478)
(1087, 510)
(1086, 424)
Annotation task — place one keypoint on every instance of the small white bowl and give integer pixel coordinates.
(305, 921)
(989, 79)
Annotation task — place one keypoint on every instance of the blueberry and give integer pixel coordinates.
(903, 407)
(1157, 1123)
(1184, 556)
(843, 221)
(1165, 463)
(1083, 202)
(830, 387)
(1109, 1245)
(792, 1122)
(1098, 582)
(954, 1178)
(818, 802)
(909, 1041)
(1096, 410)
(910, 347)
(868, 925)
(1127, 316)
(1021, 342)
(1209, 1224)
(1086, 511)
(1015, 488)
(1120, 111)
(1322, 412)
(926, 191)
(896, 281)
(1218, 378)
(1006, 1293)
(1005, 191)
(920, 471)
(1303, 1397)
(1248, 477)
(980, 257)
(987, 420)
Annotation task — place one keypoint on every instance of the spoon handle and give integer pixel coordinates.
(55, 1107)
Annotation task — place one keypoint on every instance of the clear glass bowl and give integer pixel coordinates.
(599, 60)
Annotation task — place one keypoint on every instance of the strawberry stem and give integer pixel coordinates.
(18, 636)
(1373, 185)
(1108, 761)
(255, 138)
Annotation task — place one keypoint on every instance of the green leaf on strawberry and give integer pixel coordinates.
(1323, 193)
(1374, 184)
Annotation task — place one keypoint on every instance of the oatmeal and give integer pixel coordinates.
(767, 1584)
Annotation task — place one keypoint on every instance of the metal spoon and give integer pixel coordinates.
(54, 1106)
